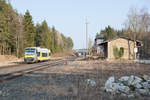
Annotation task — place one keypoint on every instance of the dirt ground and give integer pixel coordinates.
(97, 70)
(69, 81)
(9, 60)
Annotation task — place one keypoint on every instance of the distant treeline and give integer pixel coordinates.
(18, 31)
(136, 27)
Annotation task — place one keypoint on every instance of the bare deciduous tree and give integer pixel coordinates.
(138, 26)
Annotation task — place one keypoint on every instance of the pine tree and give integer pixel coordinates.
(17, 32)
(108, 33)
(46, 39)
(29, 29)
(38, 37)
(4, 34)
(54, 40)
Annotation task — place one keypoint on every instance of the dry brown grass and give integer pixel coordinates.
(9, 60)
(99, 71)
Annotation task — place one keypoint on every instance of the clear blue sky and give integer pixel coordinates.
(68, 16)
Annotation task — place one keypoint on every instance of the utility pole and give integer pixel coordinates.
(86, 24)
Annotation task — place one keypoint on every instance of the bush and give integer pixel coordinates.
(118, 53)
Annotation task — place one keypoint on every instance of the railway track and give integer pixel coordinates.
(15, 74)
(21, 64)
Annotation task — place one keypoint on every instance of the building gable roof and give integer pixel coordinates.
(127, 38)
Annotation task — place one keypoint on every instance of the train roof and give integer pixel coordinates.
(39, 49)
(32, 47)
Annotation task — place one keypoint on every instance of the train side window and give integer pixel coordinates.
(44, 54)
(49, 54)
(38, 54)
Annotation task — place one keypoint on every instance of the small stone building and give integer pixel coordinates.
(121, 43)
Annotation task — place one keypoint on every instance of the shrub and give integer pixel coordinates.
(118, 53)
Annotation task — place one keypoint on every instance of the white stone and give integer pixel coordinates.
(110, 80)
(134, 80)
(144, 84)
(124, 80)
(1, 92)
(130, 80)
(124, 89)
(148, 81)
(131, 96)
(138, 79)
(145, 77)
(110, 87)
(117, 87)
(91, 82)
(123, 94)
(138, 85)
(143, 91)
(110, 84)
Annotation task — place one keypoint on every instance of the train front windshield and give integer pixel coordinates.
(29, 51)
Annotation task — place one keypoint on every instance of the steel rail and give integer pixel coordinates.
(21, 65)
(12, 75)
